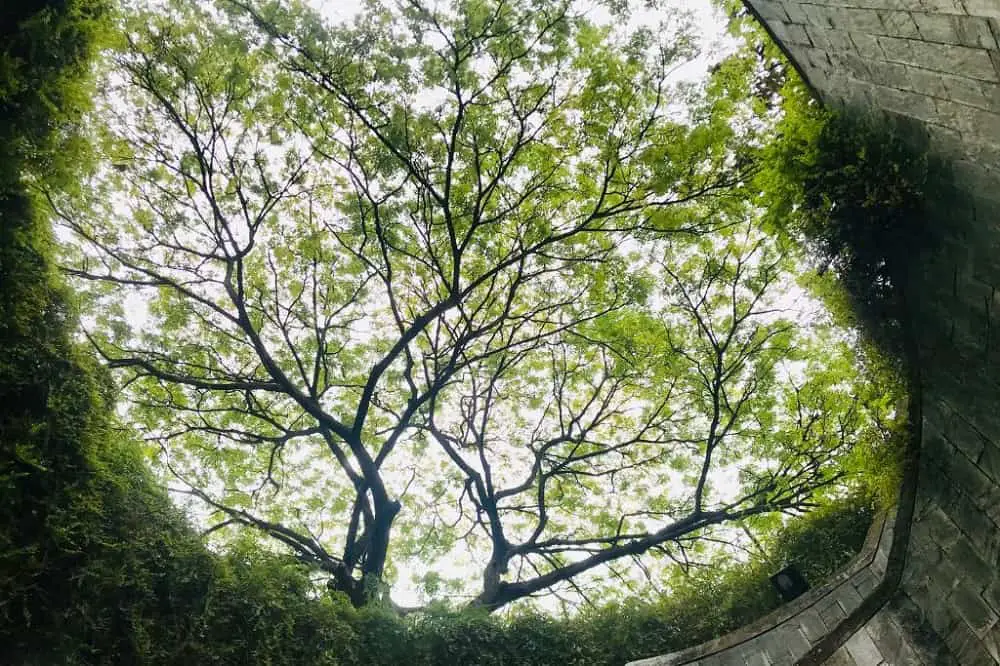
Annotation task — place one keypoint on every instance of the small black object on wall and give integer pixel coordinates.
(789, 583)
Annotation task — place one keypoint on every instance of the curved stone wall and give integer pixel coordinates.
(936, 599)
(790, 632)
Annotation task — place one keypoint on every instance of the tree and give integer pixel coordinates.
(484, 262)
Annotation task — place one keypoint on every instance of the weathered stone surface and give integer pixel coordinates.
(862, 649)
(967, 648)
(973, 63)
(864, 582)
(899, 24)
(982, 8)
(840, 658)
(975, 123)
(811, 625)
(971, 31)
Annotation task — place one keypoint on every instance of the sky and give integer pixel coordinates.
(709, 22)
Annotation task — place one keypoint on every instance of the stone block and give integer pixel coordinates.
(818, 58)
(991, 641)
(910, 104)
(794, 640)
(975, 31)
(976, 571)
(926, 81)
(860, 20)
(794, 12)
(971, 31)
(992, 94)
(862, 648)
(942, 529)
(955, 428)
(943, 578)
(829, 40)
(972, 174)
(889, 74)
(960, 382)
(992, 594)
(780, 31)
(867, 46)
(989, 461)
(966, 646)
(987, 154)
(880, 562)
(924, 556)
(934, 486)
(878, 4)
(773, 646)
(969, 478)
(840, 658)
(948, 58)
(982, 8)
(852, 64)
(864, 582)
(969, 337)
(822, 17)
(816, 76)
(796, 34)
(848, 598)
(819, 37)
(942, 6)
(973, 123)
(925, 645)
(973, 609)
(830, 611)
(924, 552)
(937, 27)
(967, 91)
(734, 656)
(977, 526)
(899, 24)
(945, 142)
(891, 638)
(937, 614)
(811, 625)
(770, 10)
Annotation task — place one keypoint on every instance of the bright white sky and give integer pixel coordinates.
(709, 22)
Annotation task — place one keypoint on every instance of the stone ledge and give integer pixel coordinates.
(796, 626)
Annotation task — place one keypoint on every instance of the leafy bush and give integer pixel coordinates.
(864, 193)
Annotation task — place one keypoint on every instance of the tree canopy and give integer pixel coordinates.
(473, 287)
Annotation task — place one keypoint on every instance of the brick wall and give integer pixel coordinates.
(937, 63)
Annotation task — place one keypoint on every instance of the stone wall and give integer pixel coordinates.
(935, 63)
(790, 632)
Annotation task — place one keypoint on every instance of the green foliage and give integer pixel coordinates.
(717, 599)
(45, 83)
(871, 203)
(863, 192)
